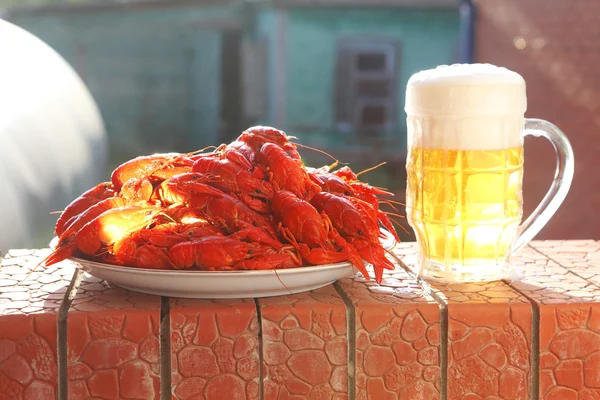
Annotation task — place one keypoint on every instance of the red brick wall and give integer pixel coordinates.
(561, 64)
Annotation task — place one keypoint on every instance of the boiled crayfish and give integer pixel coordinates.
(251, 204)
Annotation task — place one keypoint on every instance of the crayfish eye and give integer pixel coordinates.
(195, 176)
(249, 251)
(360, 233)
(347, 193)
(256, 191)
(255, 223)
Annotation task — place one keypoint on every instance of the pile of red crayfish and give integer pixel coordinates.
(247, 205)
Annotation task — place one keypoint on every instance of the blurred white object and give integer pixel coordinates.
(52, 138)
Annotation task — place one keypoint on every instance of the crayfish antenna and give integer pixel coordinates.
(335, 164)
(106, 250)
(364, 171)
(280, 281)
(191, 153)
(388, 203)
(400, 225)
(164, 214)
(394, 214)
(322, 152)
(394, 202)
(382, 189)
(32, 271)
(56, 212)
(390, 252)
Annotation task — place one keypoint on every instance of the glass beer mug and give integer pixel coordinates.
(465, 170)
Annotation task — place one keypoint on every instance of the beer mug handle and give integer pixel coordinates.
(565, 166)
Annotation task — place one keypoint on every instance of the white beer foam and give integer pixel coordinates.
(467, 74)
(466, 107)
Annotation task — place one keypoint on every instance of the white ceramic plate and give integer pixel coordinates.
(221, 284)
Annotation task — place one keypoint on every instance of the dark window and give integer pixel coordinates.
(379, 88)
(373, 115)
(370, 61)
(365, 94)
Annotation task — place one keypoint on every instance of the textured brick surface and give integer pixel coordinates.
(489, 338)
(112, 345)
(581, 257)
(397, 338)
(396, 344)
(559, 61)
(41, 293)
(488, 346)
(305, 346)
(214, 347)
(28, 315)
(569, 319)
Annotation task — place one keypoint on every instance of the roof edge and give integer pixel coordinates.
(107, 5)
(450, 4)
(138, 5)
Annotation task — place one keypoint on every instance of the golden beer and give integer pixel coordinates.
(465, 169)
(465, 205)
(465, 130)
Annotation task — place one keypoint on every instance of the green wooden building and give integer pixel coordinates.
(180, 75)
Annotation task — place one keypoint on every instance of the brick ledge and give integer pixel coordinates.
(538, 338)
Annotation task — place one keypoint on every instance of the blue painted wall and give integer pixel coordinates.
(427, 37)
(156, 73)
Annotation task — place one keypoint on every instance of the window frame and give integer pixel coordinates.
(348, 103)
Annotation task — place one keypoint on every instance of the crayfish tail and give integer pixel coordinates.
(376, 256)
(59, 254)
(356, 260)
(378, 274)
(387, 223)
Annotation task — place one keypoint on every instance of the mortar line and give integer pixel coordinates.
(443, 326)
(164, 337)
(534, 349)
(62, 334)
(563, 266)
(535, 325)
(261, 393)
(351, 339)
(443, 346)
(535, 334)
